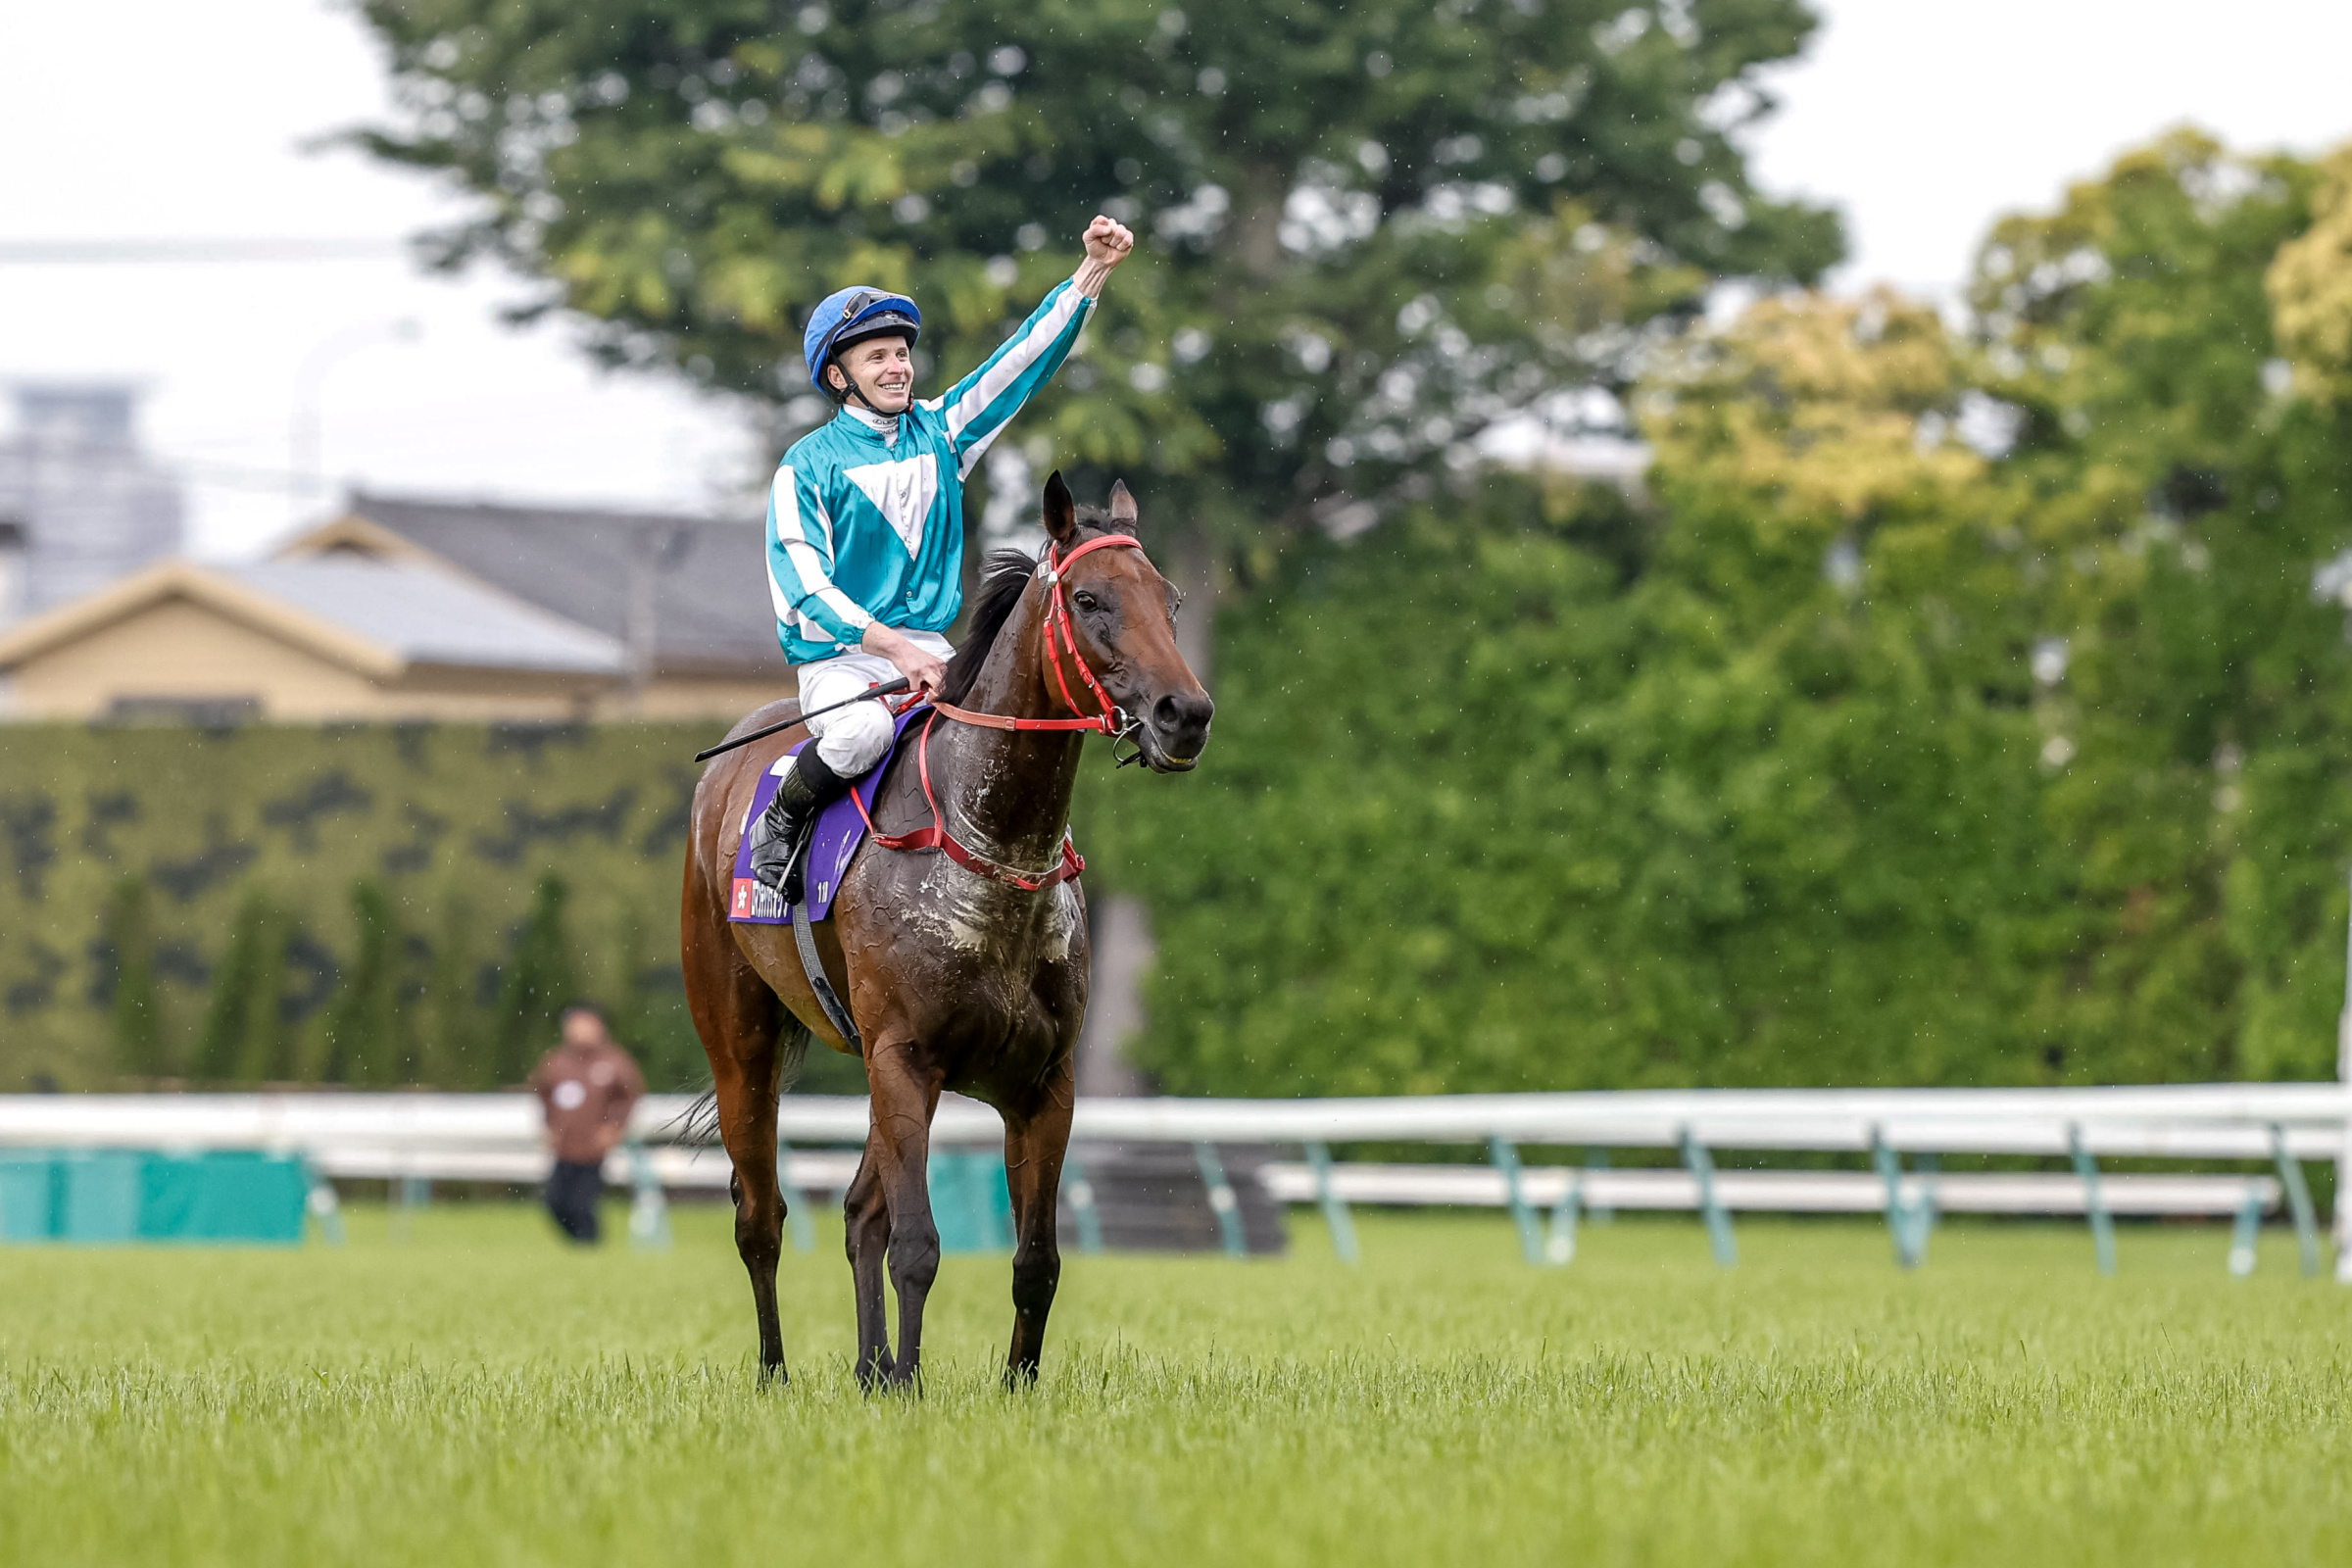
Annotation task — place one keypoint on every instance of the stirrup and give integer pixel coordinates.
(795, 879)
(796, 848)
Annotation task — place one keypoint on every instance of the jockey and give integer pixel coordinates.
(866, 522)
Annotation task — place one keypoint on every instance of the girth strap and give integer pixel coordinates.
(803, 937)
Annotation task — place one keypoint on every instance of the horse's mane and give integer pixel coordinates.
(1003, 579)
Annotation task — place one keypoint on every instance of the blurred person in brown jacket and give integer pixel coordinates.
(587, 1086)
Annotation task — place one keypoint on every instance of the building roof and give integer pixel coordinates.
(703, 580)
(431, 617)
(379, 617)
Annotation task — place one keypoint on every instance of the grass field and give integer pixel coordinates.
(481, 1397)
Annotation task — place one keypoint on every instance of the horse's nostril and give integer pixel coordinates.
(1183, 713)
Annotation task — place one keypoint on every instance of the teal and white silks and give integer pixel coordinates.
(865, 517)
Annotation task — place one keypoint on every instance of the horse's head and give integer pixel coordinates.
(1123, 621)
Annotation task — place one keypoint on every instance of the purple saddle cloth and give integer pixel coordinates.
(840, 829)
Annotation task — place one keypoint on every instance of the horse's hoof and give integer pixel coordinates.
(774, 1376)
(873, 1373)
(1020, 1377)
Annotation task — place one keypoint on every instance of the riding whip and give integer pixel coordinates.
(887, 689)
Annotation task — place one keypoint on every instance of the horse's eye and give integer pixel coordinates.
(1175, 600)
(1086, 601)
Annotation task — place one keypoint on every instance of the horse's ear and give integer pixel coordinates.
(1062, 512)
(1122, 501)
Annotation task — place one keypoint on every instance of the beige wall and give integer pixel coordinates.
(484, 694)
(720, 701)
(180, 650)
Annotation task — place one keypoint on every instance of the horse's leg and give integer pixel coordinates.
(869, 1216)
(1034, 1146)
(746, 1123)
(739, 1020)
(905, 1097)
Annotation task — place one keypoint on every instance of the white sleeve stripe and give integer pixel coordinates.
(977, 450)
(806, 562)
(1016, 363)
(786, 496)
(812, 570)
(808, 565)
(824, 520)
(783, 496)
(846, 608)
(789, 613)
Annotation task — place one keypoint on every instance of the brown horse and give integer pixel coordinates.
(955, 979)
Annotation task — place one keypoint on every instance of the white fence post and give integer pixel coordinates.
(1335, 1217)
(796, 1202)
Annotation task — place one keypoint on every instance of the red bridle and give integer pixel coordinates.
(1111, 720)
(1059, 638)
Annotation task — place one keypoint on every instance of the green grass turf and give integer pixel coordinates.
(481, 1396)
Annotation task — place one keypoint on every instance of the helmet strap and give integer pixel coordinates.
(851, 388)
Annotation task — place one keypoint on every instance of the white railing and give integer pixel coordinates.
(416, 1138)
(2186, 1121)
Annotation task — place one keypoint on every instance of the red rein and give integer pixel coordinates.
(1059, 639)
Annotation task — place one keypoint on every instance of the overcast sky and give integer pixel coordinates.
(1921, 122)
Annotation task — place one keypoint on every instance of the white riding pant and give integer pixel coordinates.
(852, 740)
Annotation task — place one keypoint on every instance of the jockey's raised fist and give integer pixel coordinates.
(1108, 241)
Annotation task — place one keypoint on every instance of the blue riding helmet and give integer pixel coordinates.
(851, 316)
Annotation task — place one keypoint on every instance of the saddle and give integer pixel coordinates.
(832, 842)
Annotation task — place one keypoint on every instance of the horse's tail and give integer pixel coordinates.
(698, 1123)
(792, 1052)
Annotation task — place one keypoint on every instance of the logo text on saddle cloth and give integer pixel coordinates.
(840, 829)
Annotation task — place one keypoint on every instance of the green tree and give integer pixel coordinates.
(1386, 880)
(1369, 229)
(139, 1049)
(1871, 754)
(644, 989)
(364, 1022)
(449, 1022)
(539, 980)
(247, 1036)
(1486, 815)
(2310, 287)
(2189, 491)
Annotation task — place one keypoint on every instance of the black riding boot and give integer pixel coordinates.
(777, 836)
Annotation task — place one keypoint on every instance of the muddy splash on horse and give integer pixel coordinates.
(961, 968)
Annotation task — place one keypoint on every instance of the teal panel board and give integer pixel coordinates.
(169, 1190)
(99, 1193)
(245, 1198)
(224, 1196)
(27, 1198)
(98, 1196)
(969, 1201)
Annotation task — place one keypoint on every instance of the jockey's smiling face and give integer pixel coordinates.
(882, 371)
